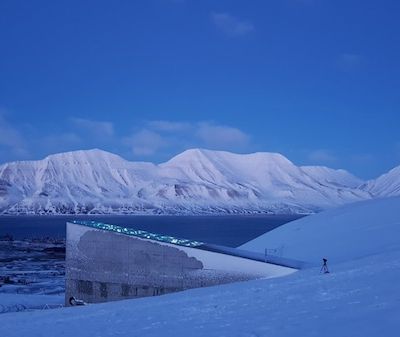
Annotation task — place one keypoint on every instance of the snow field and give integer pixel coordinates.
(341, 234)
(359, 298)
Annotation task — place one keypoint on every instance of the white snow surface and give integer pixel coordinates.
(194, 182)
(331, 176)
(387, 185)
(341, 234)
(22, 302)
(360, 297)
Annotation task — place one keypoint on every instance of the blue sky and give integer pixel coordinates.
(316, 80)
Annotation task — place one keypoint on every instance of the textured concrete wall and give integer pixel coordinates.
(104, 266)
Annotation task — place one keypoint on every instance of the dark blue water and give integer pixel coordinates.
(231, 231)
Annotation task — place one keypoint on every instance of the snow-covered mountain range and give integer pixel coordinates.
(194, 182)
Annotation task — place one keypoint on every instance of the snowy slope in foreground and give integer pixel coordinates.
(21, 302)
(358, 299)
(345, 233)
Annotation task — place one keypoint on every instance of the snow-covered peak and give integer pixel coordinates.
(192, 157)
(72, 157)
(84, 156)
(197, 154)
(195, 181)
(222, 166)
(339, 177)
(387, 185)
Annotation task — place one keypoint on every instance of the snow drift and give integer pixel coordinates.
(345, 233)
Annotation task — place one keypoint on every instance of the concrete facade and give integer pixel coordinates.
(105, 266)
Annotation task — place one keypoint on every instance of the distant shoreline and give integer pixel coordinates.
(299, 215)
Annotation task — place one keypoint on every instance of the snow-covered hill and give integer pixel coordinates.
(345, 233)
(359, 298)
(387, 185)
(194, 182)
(336, 177)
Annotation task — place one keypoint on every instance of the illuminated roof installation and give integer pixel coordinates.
(140, 233)
(280, 261)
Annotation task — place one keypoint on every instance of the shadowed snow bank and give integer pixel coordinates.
(342, 234)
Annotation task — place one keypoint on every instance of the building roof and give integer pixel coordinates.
(140, 233)
(280, 261)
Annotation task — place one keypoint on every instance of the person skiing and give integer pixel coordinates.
(324, 268)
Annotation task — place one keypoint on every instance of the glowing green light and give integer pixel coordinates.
(140, 233)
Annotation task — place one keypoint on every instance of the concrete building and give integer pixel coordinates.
(108, 262)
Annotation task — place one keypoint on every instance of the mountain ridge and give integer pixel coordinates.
(196, 181)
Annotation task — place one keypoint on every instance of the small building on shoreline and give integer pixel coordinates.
(106, 262)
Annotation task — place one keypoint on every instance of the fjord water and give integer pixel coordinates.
(229, 231)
